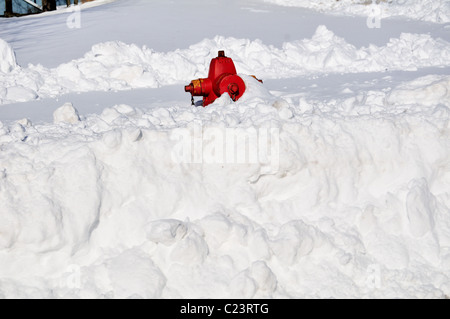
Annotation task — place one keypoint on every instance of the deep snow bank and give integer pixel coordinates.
(437, 11)
(119, 66)
(357, 204)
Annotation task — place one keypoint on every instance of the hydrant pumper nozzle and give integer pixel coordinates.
(222, 78)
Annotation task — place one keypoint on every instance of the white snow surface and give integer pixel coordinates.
(346, 196)
(436, 11)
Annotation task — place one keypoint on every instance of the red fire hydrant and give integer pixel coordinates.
(222, 79)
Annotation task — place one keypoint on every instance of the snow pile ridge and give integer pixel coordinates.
(7, 57)
(102, 197)
(120, 66)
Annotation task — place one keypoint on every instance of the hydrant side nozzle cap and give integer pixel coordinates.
(221, 54)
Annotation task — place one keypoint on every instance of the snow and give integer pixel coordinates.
(66, 114)
(119, 66)
(113, 186)
(429, 90)
(7, 57)
(436, 11)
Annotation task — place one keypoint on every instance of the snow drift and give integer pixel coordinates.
(120, 66)
(96, 206)
(436, 11)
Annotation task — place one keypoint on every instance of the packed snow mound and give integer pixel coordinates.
(437, 11)
(66, 114)
(429, 90)
(120, 66)
(7, 57)
(157, 203)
